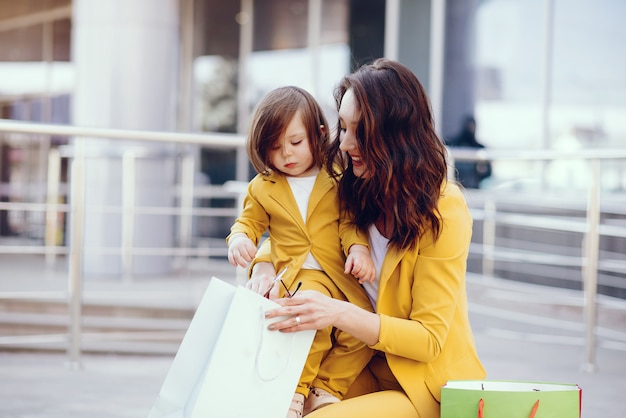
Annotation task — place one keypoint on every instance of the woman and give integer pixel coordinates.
(393, 186)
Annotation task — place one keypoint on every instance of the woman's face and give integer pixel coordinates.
(348, 123)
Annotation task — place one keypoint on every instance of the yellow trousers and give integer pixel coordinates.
(336, 358)
(376, 393)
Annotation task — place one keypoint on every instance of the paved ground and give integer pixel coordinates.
(523, 332)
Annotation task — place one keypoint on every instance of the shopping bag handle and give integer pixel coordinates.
(481, 406)
(259, 348)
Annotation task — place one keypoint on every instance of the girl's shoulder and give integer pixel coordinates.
(264, 181)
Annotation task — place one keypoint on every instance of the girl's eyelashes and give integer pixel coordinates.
(278, 145)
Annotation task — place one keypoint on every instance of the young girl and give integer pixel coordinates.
(295, 199)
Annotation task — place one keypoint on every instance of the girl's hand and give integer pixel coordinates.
(261, 279)
(241, 250)
(359, 263)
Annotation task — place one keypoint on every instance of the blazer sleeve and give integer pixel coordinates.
(350, 235)
(253, 219)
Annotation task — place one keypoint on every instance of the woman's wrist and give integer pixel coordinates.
(361, 324)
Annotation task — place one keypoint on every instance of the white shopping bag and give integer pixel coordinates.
(229, 365)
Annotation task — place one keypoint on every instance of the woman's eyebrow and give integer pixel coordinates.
(341, 119)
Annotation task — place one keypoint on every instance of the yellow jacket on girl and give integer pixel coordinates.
(336, 358)
(324, 234)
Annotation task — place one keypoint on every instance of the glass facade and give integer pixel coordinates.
(36, 79)
(535, 74)
(551, 74)
(283, 49)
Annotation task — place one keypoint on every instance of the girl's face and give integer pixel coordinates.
(291, 154)
(348, 123)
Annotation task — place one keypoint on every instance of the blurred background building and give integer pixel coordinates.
(535, 74)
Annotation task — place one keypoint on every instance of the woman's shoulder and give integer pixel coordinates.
(451, 197)
(451, 189)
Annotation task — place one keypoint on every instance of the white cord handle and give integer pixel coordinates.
(258, 352)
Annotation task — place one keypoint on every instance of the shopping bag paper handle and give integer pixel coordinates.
(257, 357)
(481, 406)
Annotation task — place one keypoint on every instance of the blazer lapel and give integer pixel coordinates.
(323, 184)
(280, 192)
(391, 261)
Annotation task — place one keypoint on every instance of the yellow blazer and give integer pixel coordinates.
(424, 329)
(270, 206)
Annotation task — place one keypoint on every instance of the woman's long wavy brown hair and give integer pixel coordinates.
(404, 157)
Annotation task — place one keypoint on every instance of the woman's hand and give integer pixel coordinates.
(314, 310)
(310, 309)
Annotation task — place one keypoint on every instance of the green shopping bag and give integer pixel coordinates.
(509, 399)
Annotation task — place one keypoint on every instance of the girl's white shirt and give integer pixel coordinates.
(301, 188)
(378, 251)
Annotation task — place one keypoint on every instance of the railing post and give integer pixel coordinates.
(590, 269)
(489, 237)
(186, 202)
(52, 199)
(75, 285)
(128, 212)
(240, 189)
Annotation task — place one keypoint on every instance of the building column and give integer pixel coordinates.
(434, 38)
(125, 55)
(459, 91)
(414, 35)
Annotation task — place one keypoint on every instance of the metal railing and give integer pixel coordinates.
(76, 209)
(187, 192)
(591, 227)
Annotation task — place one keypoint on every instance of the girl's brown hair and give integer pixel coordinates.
(404, 157)
(271, 117)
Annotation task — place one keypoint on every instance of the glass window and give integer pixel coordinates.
(281, 53)
(575, 100)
